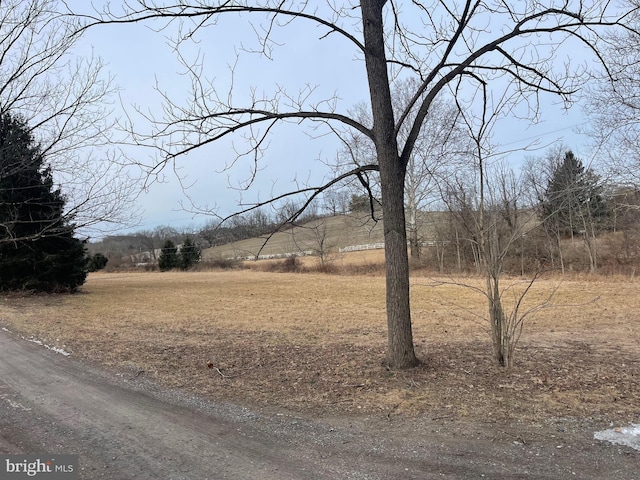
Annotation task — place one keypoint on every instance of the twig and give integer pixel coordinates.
(392, 410)
(213, 367)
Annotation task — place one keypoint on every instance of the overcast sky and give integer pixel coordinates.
(140, 58)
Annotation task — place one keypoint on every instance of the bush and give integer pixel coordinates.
(288, 265)
(221, 263)
(97, 262)
(291, 264)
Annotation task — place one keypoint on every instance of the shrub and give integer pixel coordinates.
(97, 262)
(221, 263)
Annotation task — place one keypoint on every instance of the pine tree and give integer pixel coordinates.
(189, 254)
(573, 198)
(169, 258)
(38, 250)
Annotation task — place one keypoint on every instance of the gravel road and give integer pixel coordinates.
(125, 427)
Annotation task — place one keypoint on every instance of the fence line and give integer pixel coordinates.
(350, 248)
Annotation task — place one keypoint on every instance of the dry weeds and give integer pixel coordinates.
(315, 343)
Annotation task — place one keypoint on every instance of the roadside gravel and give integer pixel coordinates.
(124, 426)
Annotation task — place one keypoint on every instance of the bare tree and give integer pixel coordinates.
(64, 98)
(489, 201)
(315, 237)
(150, 241)
(440, 145)
(442, 44)
(613, 103)
(485, 199)
(439, 148)
(336, 202)
(323, 247)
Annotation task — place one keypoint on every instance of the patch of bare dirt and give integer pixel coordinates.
(554, 378)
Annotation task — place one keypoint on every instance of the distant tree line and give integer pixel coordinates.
(263, 221)
(557, 214)
(146, 246)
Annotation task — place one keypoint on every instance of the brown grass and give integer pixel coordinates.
(316, 343)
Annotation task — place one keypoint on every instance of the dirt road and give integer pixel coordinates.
(124, 427)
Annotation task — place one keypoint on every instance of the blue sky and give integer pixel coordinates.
(139, 58)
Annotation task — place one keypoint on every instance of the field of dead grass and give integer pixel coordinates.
(315, 343)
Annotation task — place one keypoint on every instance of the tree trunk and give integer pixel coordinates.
(440, 251)
(590, 243)
(560, 255)
(414, 239)
(412, 223)
(400, 352)
(458, 252)
(498, 323)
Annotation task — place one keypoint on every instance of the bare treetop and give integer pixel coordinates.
(524, 47)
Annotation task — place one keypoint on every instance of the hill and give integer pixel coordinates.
(320, 236)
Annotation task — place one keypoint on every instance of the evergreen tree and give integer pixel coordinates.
(189, 254)
(169, 257)
(38, 250)
(573, 198)
(97, 262)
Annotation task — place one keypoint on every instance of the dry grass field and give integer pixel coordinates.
(315, 343)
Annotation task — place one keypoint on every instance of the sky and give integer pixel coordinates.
(140, 58)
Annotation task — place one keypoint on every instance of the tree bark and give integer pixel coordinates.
(400, 353)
